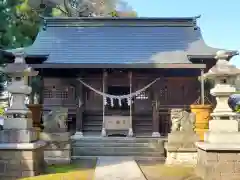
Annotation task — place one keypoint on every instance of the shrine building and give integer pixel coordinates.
(119, 76)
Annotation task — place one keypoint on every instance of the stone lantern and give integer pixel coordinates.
(218, 155)
(224, 120)
(19, 120)
(18, 138)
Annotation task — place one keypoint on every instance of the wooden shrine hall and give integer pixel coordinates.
(119, 76)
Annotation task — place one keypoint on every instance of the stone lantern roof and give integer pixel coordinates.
(223, 67)
(19, 66)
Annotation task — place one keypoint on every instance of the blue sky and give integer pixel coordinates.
(219, 22)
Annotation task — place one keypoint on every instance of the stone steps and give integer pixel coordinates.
(119, 140)
(140, 159)
(115, 149)
(147, 148)
(111, 144)
(91, 152)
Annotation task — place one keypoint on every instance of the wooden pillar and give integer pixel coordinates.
(202, 87)
(104, 78)
(79, 110)
(155, 113)
(130, 130)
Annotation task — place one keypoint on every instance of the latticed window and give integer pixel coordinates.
(61, 94)
(47, 93)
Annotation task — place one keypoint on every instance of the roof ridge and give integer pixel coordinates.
(111, 21)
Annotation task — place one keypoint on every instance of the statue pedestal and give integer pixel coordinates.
(181, 149)
(58, 149)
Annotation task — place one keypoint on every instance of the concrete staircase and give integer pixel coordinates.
(142, 149)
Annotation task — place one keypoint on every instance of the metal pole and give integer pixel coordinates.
(202, 87)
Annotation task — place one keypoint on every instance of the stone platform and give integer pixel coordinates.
(18, 160)
(218, 161)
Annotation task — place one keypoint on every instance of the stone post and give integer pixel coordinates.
(218, 155)
(20, 148)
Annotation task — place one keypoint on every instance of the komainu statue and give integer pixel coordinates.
(182, 120)
(56, 120)
(182, 139)
(58, 150)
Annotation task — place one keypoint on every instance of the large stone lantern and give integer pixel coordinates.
(224, 120)
(19, 117)
(218, 155)
(19, 142)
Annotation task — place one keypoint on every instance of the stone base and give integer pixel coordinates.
(77, 135)
(58, 150)
(103, 133)
(186, 157)
(18, 160)
(130, 132)
(218, 161)
(18, 123)
(223, 125)
(222, 137)
(18, 135)
(182, 139)
(181, 149)
(49, 137)
(156, 134)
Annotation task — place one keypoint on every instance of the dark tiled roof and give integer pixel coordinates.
(129, 40)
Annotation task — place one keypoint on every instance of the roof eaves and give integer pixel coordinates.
(231, 53)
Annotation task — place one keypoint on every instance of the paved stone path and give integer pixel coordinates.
(117, 168)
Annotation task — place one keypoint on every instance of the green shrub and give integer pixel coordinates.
(237, 108)
(2, 110)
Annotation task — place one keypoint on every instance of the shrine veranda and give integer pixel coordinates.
(119, 76)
